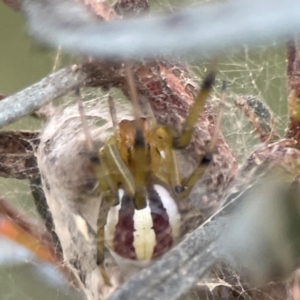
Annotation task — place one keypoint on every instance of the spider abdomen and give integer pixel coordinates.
(146, 233)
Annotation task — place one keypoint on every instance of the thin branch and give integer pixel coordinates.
(32, 98)
(16, 226)
(202, 31)
(19, 228)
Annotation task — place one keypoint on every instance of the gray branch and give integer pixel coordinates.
(33, 97)
(201, 31)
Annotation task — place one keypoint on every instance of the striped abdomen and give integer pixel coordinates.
(146, 233)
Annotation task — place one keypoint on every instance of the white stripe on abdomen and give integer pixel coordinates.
(132, 233)
(112, 220)
(144, 235)
(172, 210)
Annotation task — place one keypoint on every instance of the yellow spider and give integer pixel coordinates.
(140, 184)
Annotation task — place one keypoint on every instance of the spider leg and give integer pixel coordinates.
(113, 114)
(132, 181)
(189, 182)
(117, 168)
(148, 111)
(169, 142)
(100, 237)
(184, 139)
(108, 194)
(129, 143)
(169, 162)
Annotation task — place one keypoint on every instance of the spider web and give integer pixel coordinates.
(259, 72)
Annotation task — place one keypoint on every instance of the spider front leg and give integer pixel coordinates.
(164, 141)
(100, 240)
(108, 191)
(128, 153)
(189, 182)
(182, 141)
(117, 170)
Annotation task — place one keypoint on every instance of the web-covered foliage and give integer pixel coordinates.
(254, 72)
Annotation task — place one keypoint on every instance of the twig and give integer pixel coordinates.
(32, 98)
(17, 227)
(33, 238)
(154, 36)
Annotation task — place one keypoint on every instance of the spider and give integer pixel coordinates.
(140, 185)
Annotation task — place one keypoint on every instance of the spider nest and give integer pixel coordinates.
(70, 183)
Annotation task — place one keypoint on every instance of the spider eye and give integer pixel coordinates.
(95, 159)
(175, 141)
(178, 189)
(206, 159)
(139, 140)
